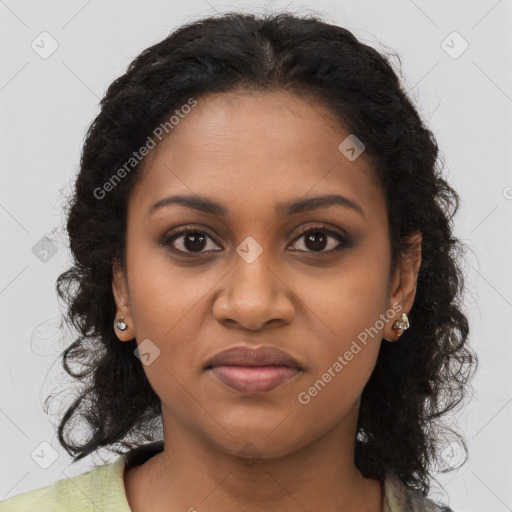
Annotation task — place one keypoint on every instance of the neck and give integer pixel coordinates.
(191, 474)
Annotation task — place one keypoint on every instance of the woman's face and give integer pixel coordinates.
(250, 277)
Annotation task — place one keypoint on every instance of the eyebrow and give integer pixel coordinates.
(207, 205)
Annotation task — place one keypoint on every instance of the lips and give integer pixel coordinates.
(245, 356)
(253, 370)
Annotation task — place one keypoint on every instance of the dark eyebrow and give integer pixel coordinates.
(206, 205)
(196, 202)
(314, 203)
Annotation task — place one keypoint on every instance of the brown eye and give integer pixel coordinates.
(319, 239)
(188, 240)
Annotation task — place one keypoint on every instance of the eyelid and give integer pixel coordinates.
(325, 227)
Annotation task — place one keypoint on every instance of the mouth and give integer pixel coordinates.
(250, 370)
(253, 379)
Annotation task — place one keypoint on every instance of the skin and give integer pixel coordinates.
(250, 151)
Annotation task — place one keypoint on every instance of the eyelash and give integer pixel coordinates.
(169, 238)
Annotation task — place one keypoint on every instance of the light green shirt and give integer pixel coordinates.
(102, 489)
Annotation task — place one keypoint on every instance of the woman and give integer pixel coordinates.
(264, 261)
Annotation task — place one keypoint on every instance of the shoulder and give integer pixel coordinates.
(400, 498)
(100, 488)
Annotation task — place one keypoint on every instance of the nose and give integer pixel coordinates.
(253, 295)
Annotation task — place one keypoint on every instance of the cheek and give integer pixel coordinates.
(347, 303)
(168, 309)
(344, 323)
(340, 368)
(166, 298)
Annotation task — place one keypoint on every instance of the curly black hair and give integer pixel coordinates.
(417, 379)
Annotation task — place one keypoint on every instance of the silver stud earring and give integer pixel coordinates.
(121, 325)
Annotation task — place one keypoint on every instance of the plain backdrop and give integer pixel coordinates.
(48, 101)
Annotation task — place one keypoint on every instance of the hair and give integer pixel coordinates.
(416, 380)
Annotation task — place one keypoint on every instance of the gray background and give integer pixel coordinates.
(47, 104)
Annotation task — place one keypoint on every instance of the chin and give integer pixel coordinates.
(264, 443)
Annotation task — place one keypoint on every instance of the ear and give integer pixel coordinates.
(122, 300)
(403, 288)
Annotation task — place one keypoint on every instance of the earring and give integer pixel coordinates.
(402, 324)
(121, 325)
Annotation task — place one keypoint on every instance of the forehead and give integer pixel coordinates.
(262, 146)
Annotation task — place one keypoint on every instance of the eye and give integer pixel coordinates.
(317, 240)
(189, 241)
